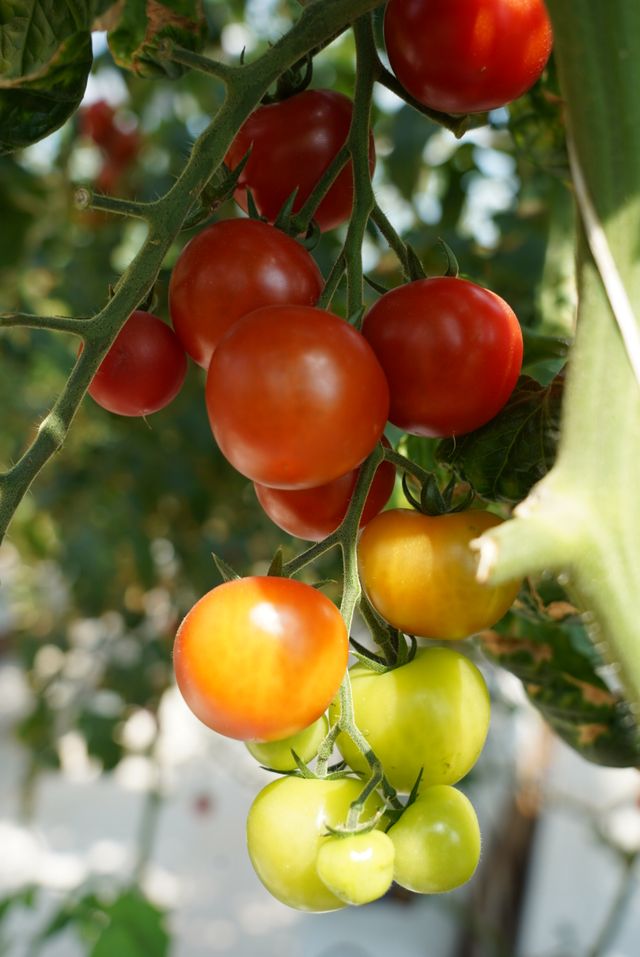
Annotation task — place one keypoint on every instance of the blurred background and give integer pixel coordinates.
(122, 818)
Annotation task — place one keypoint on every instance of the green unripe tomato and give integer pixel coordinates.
(358, 868)
(286, 827)
(277, 754)
(436, 841)
(432, 713)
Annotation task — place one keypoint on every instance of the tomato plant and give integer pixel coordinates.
(143, 370)
(357, 868)
(467, 56)
(451, 352)
(419, 572)
(436, 842)
(286, 828)
(292, 143)
(278, 756)
(261, 657)
(230, 269)
(315, 513)
(430, 715)
(295, 397)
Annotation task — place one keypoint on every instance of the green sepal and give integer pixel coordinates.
(226, 571)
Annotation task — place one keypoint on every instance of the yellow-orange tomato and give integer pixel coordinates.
(420, 573)
(260, 658)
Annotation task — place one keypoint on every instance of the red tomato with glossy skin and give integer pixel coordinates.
(260, 658)
(296, 397)
(292, 143)
(143, 370)
(467, 56)
(451, 352)
(230, 269)
(314, 513)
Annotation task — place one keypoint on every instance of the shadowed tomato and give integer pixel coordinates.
(143, 370)
(230, 269)
(314, 513)
(292, 143)
(467, 56)
(295, 396)
(260, 658)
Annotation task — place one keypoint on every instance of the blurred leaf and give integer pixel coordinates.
(136, 929)
(98, 733)
(409, 135)
(547, 646)
(144, 23)
(45, 58)
(505, 458)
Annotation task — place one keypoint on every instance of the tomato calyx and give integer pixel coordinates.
(434, 500)
(294, 80)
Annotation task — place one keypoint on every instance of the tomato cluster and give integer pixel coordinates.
(119, 144)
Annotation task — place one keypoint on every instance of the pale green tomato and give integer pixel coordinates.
(287, 825)
(432, 713)
(357, 868)
(437, 842)
(277, 754)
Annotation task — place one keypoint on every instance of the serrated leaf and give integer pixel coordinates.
(45, 58)
(504, 459)
(145, 24)
(558, 666)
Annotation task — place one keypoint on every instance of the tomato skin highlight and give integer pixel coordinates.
(451, 352)
(143, 370)
(286, 827)
(437, 842)
(229, 269)
(420, 573)
(315, 513)
(260, 658)
(431, 714)
(467, 56)
(292, 143)
(296, 397)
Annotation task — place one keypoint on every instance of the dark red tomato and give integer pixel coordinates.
(314, 513)
(230, 269)
(96, 121)
(466, 56)
(296, 397)
(451, 352)
(143, 370)
(292, 143)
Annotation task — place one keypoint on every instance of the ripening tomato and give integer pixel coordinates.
(467, 56)
(358, 868)
(451, 352)
(278, 756)
(230, 269)
(314, 513)
(295, 396)
(436, 842)
(292, 143)
(260, 658)
(287, 826)
(419, 572)
(143, 370)
(431, 714)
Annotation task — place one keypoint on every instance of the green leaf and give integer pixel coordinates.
(136, 929)
(45, 58)
(547, 646)
(505, 458)
(145, 24)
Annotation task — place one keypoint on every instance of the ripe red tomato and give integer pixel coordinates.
(292, 143)
(420, 573)
(295, 396)
(314, 513)
(96, 121)
(143, 370)
(451, 352)
(466, 56)
(260, 658)
(230, 269)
